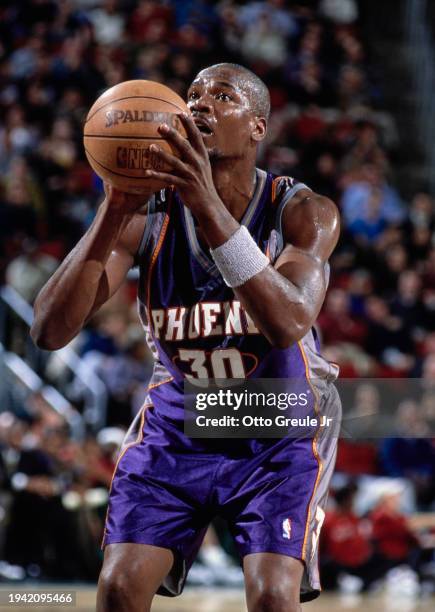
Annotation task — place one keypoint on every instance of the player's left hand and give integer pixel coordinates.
(191, 175)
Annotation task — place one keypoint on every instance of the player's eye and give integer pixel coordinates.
(193, 95)
(223, 96)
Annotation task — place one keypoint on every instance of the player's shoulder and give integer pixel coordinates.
(308, 215)
(301, 201)
(307, 204)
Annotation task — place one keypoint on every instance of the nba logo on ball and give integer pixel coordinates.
(286, 528)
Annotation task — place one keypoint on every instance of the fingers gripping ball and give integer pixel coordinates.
(121, 126)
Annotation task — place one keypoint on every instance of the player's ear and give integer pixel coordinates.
(260, 128)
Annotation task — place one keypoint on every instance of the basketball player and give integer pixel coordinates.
(233, 272)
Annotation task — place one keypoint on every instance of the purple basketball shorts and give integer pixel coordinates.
(167, 488)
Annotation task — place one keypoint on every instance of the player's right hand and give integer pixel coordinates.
(125, 202)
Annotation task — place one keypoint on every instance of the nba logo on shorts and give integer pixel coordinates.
(286, 528)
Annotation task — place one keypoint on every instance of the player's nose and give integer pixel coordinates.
(203, 104)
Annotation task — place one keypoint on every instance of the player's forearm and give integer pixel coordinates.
(217, 223)
(280, 309)
(78, 285)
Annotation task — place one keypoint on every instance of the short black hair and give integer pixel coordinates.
(252, 84)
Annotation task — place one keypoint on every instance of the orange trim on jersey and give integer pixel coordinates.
(150, 269)
(253, 367)
(138, 440)
(162, 382)
(273, 197)
(153, 261)
(274, 184)
(315, 451)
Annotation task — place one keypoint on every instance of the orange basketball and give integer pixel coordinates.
(121, 126)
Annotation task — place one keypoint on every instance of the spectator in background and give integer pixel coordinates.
(17, 136)
(262, 43)
(365, 420)
(150, 22)
(280, 18)
(115, 350)
(392, 264)
(309, 86)
(344, 12)
(60, 147)
(324, 178)
(410, 452)
(105, 337)
(346, 546)
(388, 339)
(352, 88)
(368, 228)
(337, 321)
(360, 286)
(126, 376)
(28, 272)
(39, 544)
(395, 542)
(366, 149)
(232, 29)
(108, 23)
(65, 486)
(356, 197)
(407, 304)
(418, 227)
(428, 270)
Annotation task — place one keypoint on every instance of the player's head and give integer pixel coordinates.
(231, 106)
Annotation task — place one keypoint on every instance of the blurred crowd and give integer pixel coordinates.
(381, 547)
(329, 128)
(53, 495)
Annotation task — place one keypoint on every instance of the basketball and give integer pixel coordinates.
(120, 127)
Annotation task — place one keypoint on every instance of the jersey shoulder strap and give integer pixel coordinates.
(283, 189)
(156, 212)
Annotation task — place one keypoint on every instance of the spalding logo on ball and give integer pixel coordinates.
(120, 127)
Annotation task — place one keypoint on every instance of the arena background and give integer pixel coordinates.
(354, 117)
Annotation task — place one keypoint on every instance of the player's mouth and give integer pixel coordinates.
(203, 127)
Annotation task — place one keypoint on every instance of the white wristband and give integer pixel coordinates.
(239, 258)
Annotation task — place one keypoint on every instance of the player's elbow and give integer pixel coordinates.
(45, 333)
(282, 342)
(44, 339)
(286, 341)
(289, 332)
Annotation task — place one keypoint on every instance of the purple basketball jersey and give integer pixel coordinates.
(195, 325)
